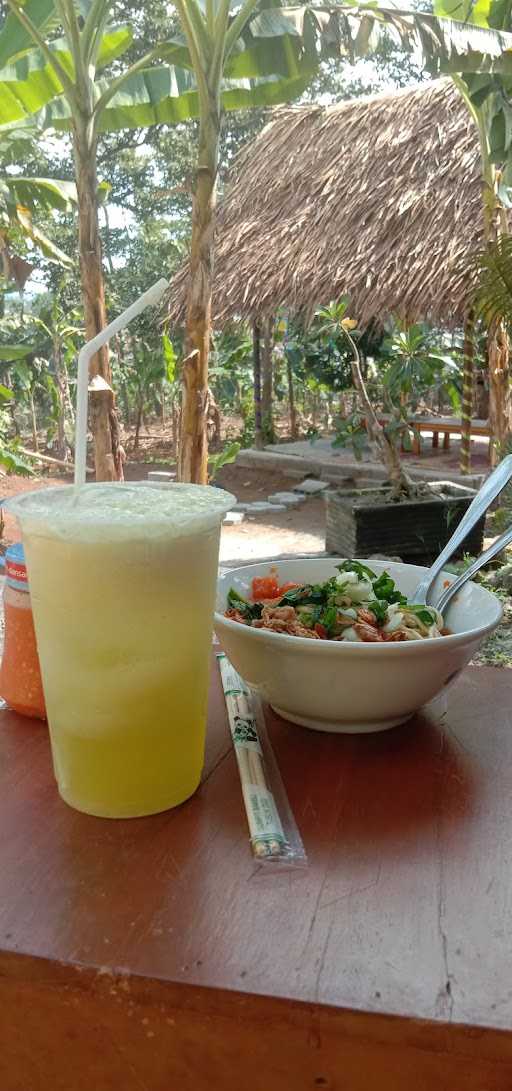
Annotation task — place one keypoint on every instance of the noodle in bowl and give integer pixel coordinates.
(349, 686)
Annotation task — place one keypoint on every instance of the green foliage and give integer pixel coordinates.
(270, 56)
(494, 293)
(351, 432)
(170, 359)
(9, 456)
(149, 172)
(225, 457)
(23, 197)
(488, 91)
(416, 361)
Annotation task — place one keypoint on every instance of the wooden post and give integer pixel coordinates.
(291, 399)
(468, 382)
(500, 409)
(256, 356)
(267, 369)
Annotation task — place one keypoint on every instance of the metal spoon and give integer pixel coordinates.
(444, 600)
(488, 492)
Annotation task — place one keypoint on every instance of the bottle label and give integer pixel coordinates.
(16, 575)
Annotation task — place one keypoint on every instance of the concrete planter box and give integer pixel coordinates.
(359, 523)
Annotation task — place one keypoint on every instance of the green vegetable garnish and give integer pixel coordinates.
(361, 570)
(251, 611)
(308, 616)
(316, 594)
(333, 606)
(423, 613)
(329, 619)
(384, 588)
(379, 607)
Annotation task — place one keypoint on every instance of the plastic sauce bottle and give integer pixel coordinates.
(20, 674)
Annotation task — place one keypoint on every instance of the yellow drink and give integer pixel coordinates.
(122, 585)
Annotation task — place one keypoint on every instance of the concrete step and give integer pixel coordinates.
(340, 472)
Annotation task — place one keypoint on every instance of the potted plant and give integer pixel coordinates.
(413, 520)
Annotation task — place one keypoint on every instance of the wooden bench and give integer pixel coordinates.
(445, 426)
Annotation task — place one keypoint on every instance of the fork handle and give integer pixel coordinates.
(446, 597)
(490, 489)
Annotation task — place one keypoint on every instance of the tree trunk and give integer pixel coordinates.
(256, 356)
(193, 454)
(61, 377)
(175, 414)
(267, 423)
(500, 409)
(35, 438)
(398, 477)
(108, 247)
(108, 462)
(138, 422)
(468, 382)
(213, 420)
(163, 414)
(291, 400)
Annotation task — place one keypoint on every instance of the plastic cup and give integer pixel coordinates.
(122, 580)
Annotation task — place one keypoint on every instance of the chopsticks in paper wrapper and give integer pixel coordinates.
(273, 830)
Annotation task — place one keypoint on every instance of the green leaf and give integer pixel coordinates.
(329, 619)
(5, 393)
(49, 193)
(426, 616)
(494, 293)
(13, 36)
(361, 570)
(384, 588)
(467, 11)
(13, 462)
(251, 611)
(379, 607)
(171, 360)
(29, 83)
(38, 237)
(273, 62)
(8, 353)
(224, 458)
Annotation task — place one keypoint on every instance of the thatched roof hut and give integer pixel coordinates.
(378, 199)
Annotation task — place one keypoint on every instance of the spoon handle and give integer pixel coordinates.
(444, 600)
(488, 492)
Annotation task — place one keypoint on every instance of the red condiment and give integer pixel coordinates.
(20, 674)
(267, 587)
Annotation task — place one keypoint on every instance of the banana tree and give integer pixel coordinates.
(226, 59)
(222, 45)
(488, 97)
(57, 335)
(493, 303)
(19, 367)
(21, 199)
(62, 75)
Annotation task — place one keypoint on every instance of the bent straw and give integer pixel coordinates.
(148, 299)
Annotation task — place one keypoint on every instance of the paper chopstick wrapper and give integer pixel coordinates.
(265, 827)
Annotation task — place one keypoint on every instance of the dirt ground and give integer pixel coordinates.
(299, 530)
(296, 531)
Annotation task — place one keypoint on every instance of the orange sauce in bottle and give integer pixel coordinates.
(20, 675)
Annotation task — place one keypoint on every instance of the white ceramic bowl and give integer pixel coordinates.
(351, 687)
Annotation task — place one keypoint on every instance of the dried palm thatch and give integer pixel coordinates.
(377, 199)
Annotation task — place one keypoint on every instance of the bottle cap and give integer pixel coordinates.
(15, 568)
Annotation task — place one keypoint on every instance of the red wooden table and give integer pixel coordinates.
(149, 955)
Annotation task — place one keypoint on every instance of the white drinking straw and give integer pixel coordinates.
(148, 299)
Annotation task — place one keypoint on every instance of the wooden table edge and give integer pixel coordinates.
(29, 975)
